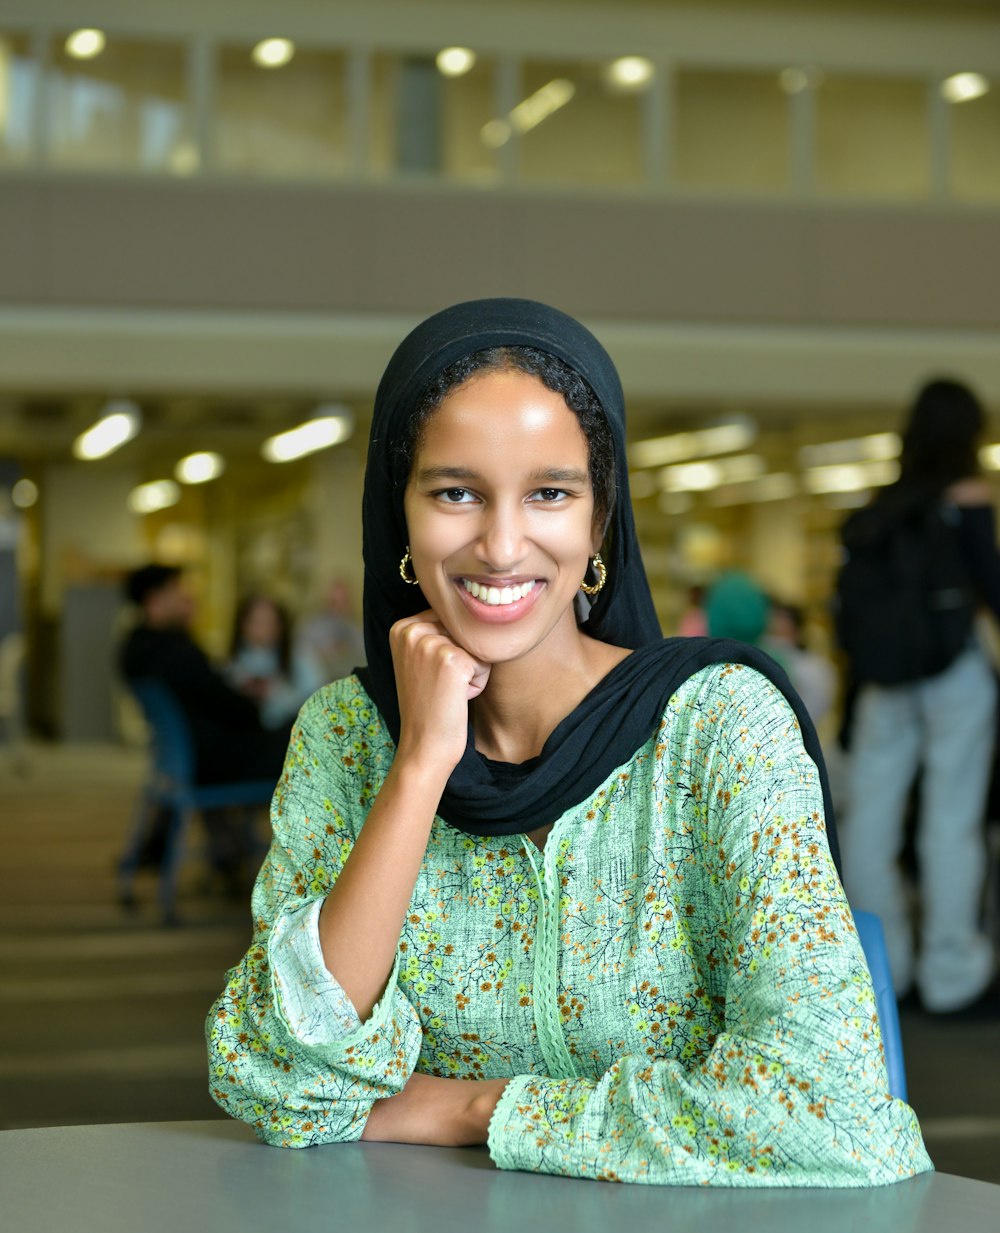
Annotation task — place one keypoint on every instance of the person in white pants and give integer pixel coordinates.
(947, 724)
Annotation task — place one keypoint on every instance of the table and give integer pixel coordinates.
(213, 1176)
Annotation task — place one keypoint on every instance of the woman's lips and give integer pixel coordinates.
(498, 604)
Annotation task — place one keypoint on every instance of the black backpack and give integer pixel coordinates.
(905, 604)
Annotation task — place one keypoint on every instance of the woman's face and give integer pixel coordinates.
(500, 513)
(261, 625)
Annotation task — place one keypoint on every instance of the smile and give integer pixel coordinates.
(498, 596)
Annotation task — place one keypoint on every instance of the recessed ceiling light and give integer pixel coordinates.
(85, 44)
(629, 73)
(158, 494)
(963, 87)
(273, 53)
(455, 61)
(199, 468)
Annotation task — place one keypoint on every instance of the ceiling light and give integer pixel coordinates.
(629, 73)
(323, 430)
(24, 494)
(725, 438)
(158, 494)
(455, 61)
(529, 112)
(702, 476)
(85, 44)
(778, 486)
(199, 468)
(850, 477)
(273, 53)
(878, 447)
(963, 87)
(119, 424)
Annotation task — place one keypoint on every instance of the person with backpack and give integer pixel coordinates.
(919, 561)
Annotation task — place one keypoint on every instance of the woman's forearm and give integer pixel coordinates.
(362, 918)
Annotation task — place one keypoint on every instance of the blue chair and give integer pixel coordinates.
(869, 929)
(171, 785)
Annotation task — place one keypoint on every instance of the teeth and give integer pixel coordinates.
(497, 596)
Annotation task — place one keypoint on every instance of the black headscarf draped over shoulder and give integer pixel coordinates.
(624, 709)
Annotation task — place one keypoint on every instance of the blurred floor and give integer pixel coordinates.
(101, 1011)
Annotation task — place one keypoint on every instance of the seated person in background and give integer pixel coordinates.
(228, 738)
(229, 741)
(263, 666)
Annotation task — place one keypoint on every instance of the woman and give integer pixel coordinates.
(943, 721)
(539, 878)
(263, 665)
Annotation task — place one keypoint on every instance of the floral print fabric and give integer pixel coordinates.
(673, 985)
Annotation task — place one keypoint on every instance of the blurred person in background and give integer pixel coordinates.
(229, 740)
(812, 674)
(736, 607)
(332, 639)
(263, 665)
(918, 561)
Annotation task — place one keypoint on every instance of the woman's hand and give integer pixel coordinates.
(435, 682)
(436, 1112)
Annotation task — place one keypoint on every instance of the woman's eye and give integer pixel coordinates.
(455, 496)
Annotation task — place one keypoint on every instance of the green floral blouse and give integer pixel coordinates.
(674, 985)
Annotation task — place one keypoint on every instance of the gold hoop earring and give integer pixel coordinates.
(413, 582)
(601, 570)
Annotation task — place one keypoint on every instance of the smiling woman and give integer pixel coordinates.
(540, 878)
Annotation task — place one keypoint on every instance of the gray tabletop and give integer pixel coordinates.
(178, 1176)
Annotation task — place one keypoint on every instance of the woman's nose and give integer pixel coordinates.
(502, 539)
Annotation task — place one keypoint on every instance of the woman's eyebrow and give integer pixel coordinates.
(545, 475)
(559, 475)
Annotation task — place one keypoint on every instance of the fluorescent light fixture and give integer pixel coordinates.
(158, 494)
(702, 476)
(850, 477)
(273, 53)
(629, 73)
(777, 486)
(24, 494)
(529, 112)
(85, 44)
(963, 87)
(200, 468)
(878, 447)
(455, 61)
(119, 424)
(329, 427)
(704, 442)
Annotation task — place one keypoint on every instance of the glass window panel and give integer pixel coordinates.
(18, 91)
(467, 106)
(382, 113)
(124, 108)
(425, 123)
(287, 121)
(975, 148)
(872, 137)
(586, 131)
(731, 131)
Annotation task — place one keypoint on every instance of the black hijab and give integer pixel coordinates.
(624, 709)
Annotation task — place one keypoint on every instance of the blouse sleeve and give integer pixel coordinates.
(793, 1089)
(284, 1054)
